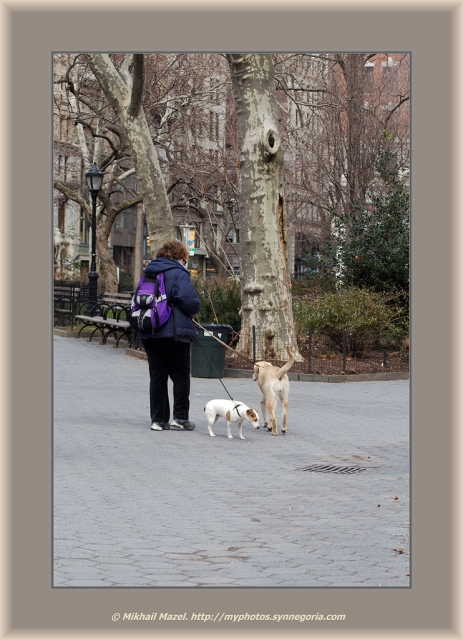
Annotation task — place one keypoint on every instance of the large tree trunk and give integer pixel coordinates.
(106, 263)
(126, 102)
(265, 283)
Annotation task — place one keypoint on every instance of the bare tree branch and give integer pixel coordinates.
(71, 195)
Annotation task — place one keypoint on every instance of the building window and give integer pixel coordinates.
(197, 232)
(390, 77)
(125, 220)
(61, 214)
(83, 228)
(62, 167)
(369, 71)
(63, 127)
(210, 268)
(214, 92)
(123, 257)
(233, 236)
(236, 271)
(214, 235)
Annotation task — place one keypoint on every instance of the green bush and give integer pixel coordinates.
(369, 246)
(352, 310)
(125, 282)
(220, 301)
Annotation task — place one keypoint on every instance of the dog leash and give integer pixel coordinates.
(224, 344)
(215, 370)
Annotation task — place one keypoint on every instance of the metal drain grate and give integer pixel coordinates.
(331, 468)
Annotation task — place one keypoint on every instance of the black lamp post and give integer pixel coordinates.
(94, 180)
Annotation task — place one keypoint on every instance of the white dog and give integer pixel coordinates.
(232, 412)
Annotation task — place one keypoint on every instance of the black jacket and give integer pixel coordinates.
(185, 300)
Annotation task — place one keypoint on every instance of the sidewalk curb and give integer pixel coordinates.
(247, 373)
(65, 333)
(303, 377)
(312, 377)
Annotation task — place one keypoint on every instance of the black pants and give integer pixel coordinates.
(168, 359)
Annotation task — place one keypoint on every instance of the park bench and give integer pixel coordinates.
(65, 297)
(109, 316)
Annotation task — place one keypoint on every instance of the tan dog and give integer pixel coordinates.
(273, 385)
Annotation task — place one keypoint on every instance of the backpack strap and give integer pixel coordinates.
(155, 311)
(172, 304)
(140, 282)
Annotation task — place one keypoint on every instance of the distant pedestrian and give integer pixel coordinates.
(168, 349)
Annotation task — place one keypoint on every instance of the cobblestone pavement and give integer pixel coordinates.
(138, 508)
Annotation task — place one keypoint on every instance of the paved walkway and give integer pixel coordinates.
(137, 508)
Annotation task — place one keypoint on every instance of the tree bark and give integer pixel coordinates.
(106, 262)
(126, 102)
(361, 138)
(266, 301)
(138, 254)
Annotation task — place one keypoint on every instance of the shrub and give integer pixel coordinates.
(125, 282)
(352, 310)
(220, 301)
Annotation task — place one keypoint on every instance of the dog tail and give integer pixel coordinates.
(286, 367)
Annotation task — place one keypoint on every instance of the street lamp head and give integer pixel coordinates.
(94, 179)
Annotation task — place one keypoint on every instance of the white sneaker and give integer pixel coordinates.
(183, 424)
(156, 427)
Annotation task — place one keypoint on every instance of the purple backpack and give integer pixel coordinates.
(149, 309)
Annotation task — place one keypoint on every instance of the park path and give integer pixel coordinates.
(137, 508)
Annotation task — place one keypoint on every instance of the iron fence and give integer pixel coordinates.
(325, 353)
(67, 295)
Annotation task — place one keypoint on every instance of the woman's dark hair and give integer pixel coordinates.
(173, 250)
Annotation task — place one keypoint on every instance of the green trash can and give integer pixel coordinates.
(208, 357)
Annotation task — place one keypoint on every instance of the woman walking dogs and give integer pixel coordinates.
(168, 348)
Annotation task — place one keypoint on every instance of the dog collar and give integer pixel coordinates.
(236, 407)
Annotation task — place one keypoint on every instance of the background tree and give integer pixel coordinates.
(334, 110)
(100, 141)
(370, 246)
(125, 93)
(188, 102)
